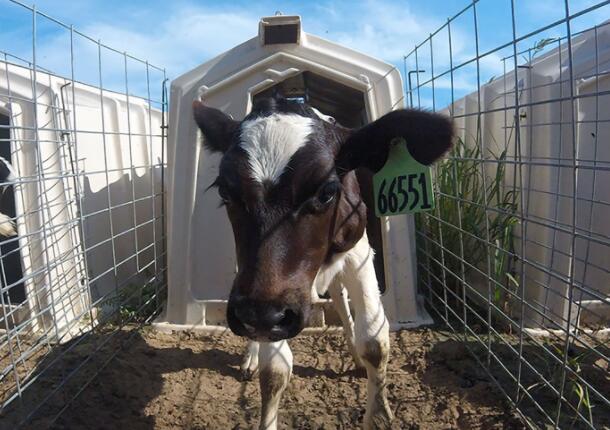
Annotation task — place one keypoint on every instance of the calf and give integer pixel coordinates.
(7, 177)
(287, 181)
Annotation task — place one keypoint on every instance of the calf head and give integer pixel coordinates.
(286, 179)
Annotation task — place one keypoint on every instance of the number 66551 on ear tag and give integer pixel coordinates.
(403, 185)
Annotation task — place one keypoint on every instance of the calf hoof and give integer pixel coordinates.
(249, 369)
(248, 374)
(380, 418)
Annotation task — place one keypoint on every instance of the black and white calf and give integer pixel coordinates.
(287, 181)
(7, 176)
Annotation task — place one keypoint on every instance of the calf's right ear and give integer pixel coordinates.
(218, 129)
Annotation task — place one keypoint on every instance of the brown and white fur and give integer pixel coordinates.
(287, 179)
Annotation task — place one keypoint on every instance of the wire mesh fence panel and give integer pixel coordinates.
(82, 252)
(515, 257)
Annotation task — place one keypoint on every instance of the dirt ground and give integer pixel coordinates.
(172, 381)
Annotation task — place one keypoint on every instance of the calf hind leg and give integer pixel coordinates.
(371, 332)
(275, 361)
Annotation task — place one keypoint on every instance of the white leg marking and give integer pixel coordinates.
(372, 331)
(275, 360)
(249, 366)
(338, 294)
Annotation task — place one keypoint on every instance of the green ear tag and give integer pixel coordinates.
(403, 185)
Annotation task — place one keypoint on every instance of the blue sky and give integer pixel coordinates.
(180, 34)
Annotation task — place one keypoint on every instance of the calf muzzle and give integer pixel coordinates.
(263, 320)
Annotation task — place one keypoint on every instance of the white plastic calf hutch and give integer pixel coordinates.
(119, 149)
(351, 87)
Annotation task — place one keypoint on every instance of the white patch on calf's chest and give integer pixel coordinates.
(338, 264)
(271, 141)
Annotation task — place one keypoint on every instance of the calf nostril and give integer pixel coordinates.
(273, 317)
(241, 315)
(290, 319)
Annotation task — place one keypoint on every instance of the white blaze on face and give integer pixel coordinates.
(271, 141)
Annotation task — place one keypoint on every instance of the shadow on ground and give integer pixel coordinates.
(163, 381)
(119, 396)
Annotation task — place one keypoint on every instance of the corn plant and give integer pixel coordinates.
(576, 392)
(471, 211)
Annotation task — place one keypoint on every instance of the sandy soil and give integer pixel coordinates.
(163, 381)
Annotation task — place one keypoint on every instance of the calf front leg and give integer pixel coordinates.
(249, 365)
(275, 361)
(371, 332)
(338, 294)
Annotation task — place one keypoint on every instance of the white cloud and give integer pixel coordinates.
(383, 29)
(186, 38)
(185, 35)
(191, 34)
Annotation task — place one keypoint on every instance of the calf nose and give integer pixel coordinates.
(261, 317)
(256, 319)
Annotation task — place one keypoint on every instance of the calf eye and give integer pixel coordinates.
(328, 192)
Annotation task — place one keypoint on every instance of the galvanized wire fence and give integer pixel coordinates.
(82, 135)
(515, 258)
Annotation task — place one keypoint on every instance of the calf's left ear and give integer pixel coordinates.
(428, 135)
